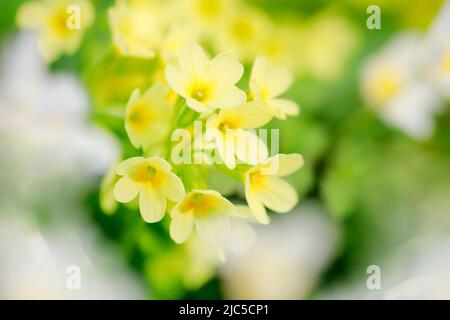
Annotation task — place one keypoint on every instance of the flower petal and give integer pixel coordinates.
(227, 98)
(126, 190)
(152, 204)
(213, 229)
(250, 148)
(289, 163)
(225, 69)
(255, 205)
(181, 226)
(278, 195)
(177, 82)
(174, 188)
(193, 60)
(124, 167)
(253, 114)
(284, 107)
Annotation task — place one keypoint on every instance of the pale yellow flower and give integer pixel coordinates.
(205, 84)
(228, 130)
(136, 28)
(60, 24)
(206, 211)
(151, 179)
(268, 83)
(264, 188)
(242, 31)
(147, 117)
(179, 35)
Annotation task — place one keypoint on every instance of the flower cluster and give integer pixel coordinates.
(204, 91)
(407, 82)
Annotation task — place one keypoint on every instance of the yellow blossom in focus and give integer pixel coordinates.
(151, 179)
(60, 24)
(136, 27)
(208, 212)
(264, 188)
(147, 117)
(232, 138)
(206, 84)
(268, 83)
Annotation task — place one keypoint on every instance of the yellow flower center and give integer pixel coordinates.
(140, 117)
(208, 8)
(231, 123)
(446, 61)
(58, 22)
(200, 204)
(257, 180)
(200, 92)
(388, 86)
(242, 30)
(146, 174)
(264, 93)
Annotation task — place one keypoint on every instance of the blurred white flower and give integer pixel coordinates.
(36, 265)
(393, 84)
(287, 259)
(49, 112)
(437, 51)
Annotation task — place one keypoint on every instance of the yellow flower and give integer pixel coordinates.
(206, 84)
(264, 188)
(147, 117)
(59, 23)
(136, 29)
(228, 131)
(267, 84)
(178, 36)
(153, 180)
(208, 212)
(242, 31)
(107, 202)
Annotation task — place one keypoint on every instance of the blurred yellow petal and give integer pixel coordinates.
(284, 107)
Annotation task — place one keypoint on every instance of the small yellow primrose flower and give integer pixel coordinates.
(136, 29)
(264, 188)
(178, 36)
(206, 84)
(231, 137)
(60, 24)
(153, 180)
(208, 211)
(147, 117)
(267, 84)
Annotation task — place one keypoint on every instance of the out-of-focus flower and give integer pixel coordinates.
(208, 211)
(153, 180)
(264, 188)
(393, 85)
(205, 84)
(136, 28)
(268, 83)
(147, 117)
(44, 264)
(232, 139)
(437, 51)
(178, 36)
(60, 24)
(50, 112)
(287, 260)
(242, 31)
